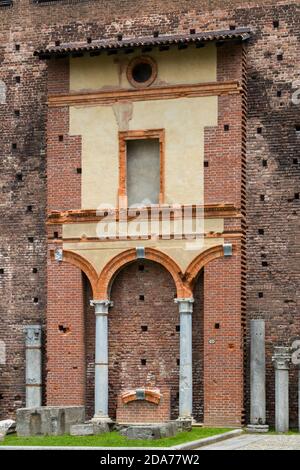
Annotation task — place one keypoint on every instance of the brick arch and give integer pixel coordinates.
(200, 261)
(84, 265)
(113, 267)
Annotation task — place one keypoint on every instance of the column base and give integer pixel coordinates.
(101, 419)
(257, 428)
(184, 423)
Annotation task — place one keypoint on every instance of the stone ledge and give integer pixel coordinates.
(257, 428)
(152, 431)
(208, 440)
(89, 429)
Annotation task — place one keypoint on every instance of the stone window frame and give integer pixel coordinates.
(143, 59)
(124, 136)
(6, 3)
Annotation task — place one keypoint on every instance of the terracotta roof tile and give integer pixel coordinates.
(241, 34)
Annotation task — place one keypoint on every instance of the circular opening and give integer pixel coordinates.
(141, 72)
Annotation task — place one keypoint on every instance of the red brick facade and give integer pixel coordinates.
(269, 184)
(223, 342)
(143, 411)
(130, 345)
(65, 335)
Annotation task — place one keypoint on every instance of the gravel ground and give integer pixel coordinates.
(258, 442)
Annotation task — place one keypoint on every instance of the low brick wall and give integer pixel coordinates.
(143, 411)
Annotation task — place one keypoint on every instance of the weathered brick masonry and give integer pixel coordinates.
(151, 358)
(272, 181)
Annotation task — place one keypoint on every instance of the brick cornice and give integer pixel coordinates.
(153, 93)
(90, 215)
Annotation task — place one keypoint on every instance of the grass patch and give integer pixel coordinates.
(112, 439)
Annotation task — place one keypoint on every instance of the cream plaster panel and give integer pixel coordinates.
(89, 230)
(184, 121)
(174, 67)
(100, 253)
(100, 158)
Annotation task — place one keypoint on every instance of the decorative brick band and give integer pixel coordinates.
(184, 282)
(153, 93)
(200, 261)
(81, 263)
(118, 262)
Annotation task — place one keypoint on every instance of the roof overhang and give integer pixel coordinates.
(95, 47)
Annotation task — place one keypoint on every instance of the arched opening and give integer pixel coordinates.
(143, 332)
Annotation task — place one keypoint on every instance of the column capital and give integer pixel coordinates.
(101, 306)
(281, 358)
(33, 335)
(185, 305)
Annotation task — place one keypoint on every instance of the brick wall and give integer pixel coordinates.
(144, 411)
(198, 349)
(224, 146)
(65, 335)
(223, 342)
(129, 345)
(90, 323)
(272, 158)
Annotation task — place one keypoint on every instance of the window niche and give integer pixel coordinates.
(141, 167)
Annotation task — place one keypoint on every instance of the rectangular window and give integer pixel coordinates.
(143, 171)
(141, 167)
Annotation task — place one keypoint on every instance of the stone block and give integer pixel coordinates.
(48, 420)
(7, 426)
(151, 431)
(257, 428)
(82, 429)
(102, 428)
(184, 424)
(89, 429)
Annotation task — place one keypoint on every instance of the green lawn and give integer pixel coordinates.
(112, 439)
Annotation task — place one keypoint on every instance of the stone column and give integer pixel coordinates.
(299, 398)
(258, 377)
(33, 366)
(101, 360)
(295, 350)
(281, 360)
(186, 375)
